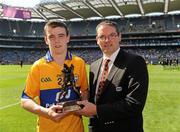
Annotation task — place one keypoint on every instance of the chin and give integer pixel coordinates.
(58, 52)
(105, 51)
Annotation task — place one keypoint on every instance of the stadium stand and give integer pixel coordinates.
(156, 38)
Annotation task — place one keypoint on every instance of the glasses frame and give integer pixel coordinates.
(109, 37)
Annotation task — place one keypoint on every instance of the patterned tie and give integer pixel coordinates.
(103, 78)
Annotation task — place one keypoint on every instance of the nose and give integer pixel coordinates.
(106, 39)
(57, 39)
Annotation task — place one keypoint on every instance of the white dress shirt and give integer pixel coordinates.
(110, 64)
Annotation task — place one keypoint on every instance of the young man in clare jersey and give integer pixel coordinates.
(45, 81)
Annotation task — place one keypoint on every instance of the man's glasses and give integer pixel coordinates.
(109, 37)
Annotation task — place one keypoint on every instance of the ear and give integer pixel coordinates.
(68, 38)
(45, 39)
(96, 38)
(97, 41)
(119, 37)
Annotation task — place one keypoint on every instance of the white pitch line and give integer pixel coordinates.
(10, 105)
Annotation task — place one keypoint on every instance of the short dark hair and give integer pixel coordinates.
(54, 24)
(109, 23)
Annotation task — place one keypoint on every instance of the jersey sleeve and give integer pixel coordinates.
(84, 80)
(32, 83)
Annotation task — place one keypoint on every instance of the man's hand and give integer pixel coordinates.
(89, 109)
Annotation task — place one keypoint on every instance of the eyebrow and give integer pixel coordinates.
(62, 34)
(108, 35)
(58, 34)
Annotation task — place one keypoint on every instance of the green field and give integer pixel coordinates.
(161, 113)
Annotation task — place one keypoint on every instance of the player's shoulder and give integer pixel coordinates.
(39, 62)
(77, 59)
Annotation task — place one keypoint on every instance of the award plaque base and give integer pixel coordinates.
(70, 106)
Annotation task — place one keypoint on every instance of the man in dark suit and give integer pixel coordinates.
(119, 103)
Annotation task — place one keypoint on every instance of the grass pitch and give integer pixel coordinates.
(161, 113)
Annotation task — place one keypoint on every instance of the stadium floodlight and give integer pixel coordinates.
(14, 31)
(178, 26)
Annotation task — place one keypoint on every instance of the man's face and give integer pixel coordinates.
(57, 40)
(108, 39)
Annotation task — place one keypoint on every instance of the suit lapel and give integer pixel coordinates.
(113, 71)
(96, 71)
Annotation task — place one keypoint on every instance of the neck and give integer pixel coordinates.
(107, 55)
(59, 58)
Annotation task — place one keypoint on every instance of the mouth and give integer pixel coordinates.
(57, 46)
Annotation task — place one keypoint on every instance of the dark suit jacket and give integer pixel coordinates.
(120, 106)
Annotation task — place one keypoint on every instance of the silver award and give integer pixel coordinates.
(69, 85)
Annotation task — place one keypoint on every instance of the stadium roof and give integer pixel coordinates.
(86, 9)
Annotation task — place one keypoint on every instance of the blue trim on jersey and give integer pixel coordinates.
(50, 96)
(69, 56)
(25, 96)
(49, 57)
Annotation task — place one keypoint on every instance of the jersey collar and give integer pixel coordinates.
(49, 57)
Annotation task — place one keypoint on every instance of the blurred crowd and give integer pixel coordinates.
(151, 55)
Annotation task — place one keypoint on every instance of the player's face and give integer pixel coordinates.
(108, 39)
(57, 39)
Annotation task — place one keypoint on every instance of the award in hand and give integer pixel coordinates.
(69, 94)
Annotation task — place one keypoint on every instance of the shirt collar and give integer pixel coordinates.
(49, 57)
(113, 56)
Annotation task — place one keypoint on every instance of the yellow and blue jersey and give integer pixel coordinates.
(45, 81)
